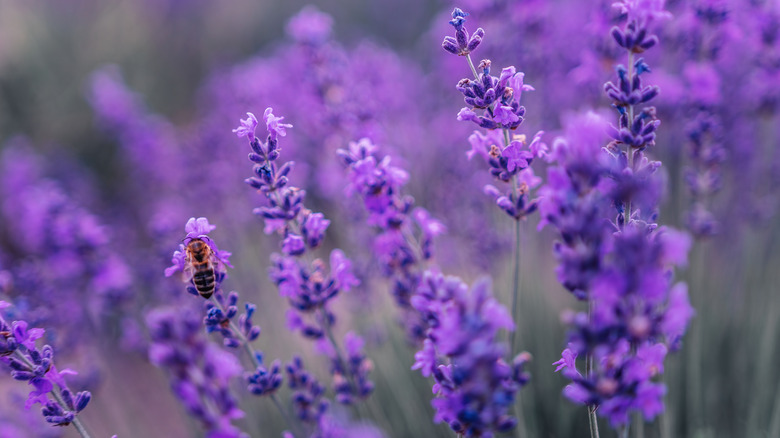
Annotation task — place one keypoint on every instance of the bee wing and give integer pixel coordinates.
(188, 272)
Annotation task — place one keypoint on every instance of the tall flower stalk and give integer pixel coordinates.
(222, 317)
(28, 363)
(306, 283)
(623, 267)
(458, 326)
(494, 105)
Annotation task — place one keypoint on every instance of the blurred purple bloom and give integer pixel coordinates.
(272, 123)
(247, 128)
(310, 26)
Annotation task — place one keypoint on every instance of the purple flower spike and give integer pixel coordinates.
(622, 266)
(475, 387)
(35, 366)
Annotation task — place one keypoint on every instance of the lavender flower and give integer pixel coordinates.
(200, 373)
(624, 268)
(27, 363)
(463, 43)
(494, 105)
(457, 328)
(308, 286)
(222, 315)
(307, 396)
(401, 253)
(636, 127)
(475, 388)
(358, 367)
(575, 200)
(265, 380)
(63, 254)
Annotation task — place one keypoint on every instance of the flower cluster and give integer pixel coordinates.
(458, 328)
(63, 254)
(27, 363)
(358, 367)
(623, 268)
(705, 129)
(636, 129)
(200, 372)
(308, 286)
(494, 104)
(463, 43)
(475, 387)
(575, 201)
(265, 381)
(636, 317)
(405, 235)
(219, 317)
(307, 396)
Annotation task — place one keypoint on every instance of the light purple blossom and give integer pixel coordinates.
(247, 127)
(272, 123)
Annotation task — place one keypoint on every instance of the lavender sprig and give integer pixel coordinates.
(494, 105)
(623, 268)
(404, 234)
(200, 373)
(221, 313)
(475, 387)
(636, 126)
(307, 285)
(706, 151)
(36, 366)
(457, 327)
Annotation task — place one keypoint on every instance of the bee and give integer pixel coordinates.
(199, 262)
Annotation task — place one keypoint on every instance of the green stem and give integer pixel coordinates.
(640, 426)
(515, 290)
(624, 431)
(592, 419)
(594, 425)
(471, 65)
(285, 415)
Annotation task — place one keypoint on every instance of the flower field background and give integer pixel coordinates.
(537, 218)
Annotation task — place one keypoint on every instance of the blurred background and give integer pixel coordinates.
(115, 128)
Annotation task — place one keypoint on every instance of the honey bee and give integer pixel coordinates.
(199, 262)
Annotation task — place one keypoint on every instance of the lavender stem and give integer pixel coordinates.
(515, 289)
(471, 65)
(592, 419)
(594, 425)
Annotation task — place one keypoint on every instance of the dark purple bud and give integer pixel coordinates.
(462, 38)
(649, 93)
(449, 44)
(82, 400)
(254, 333)
(256, 158)
(648, 43)
(617, 34)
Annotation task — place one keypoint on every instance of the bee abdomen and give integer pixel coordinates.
(204, 282)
